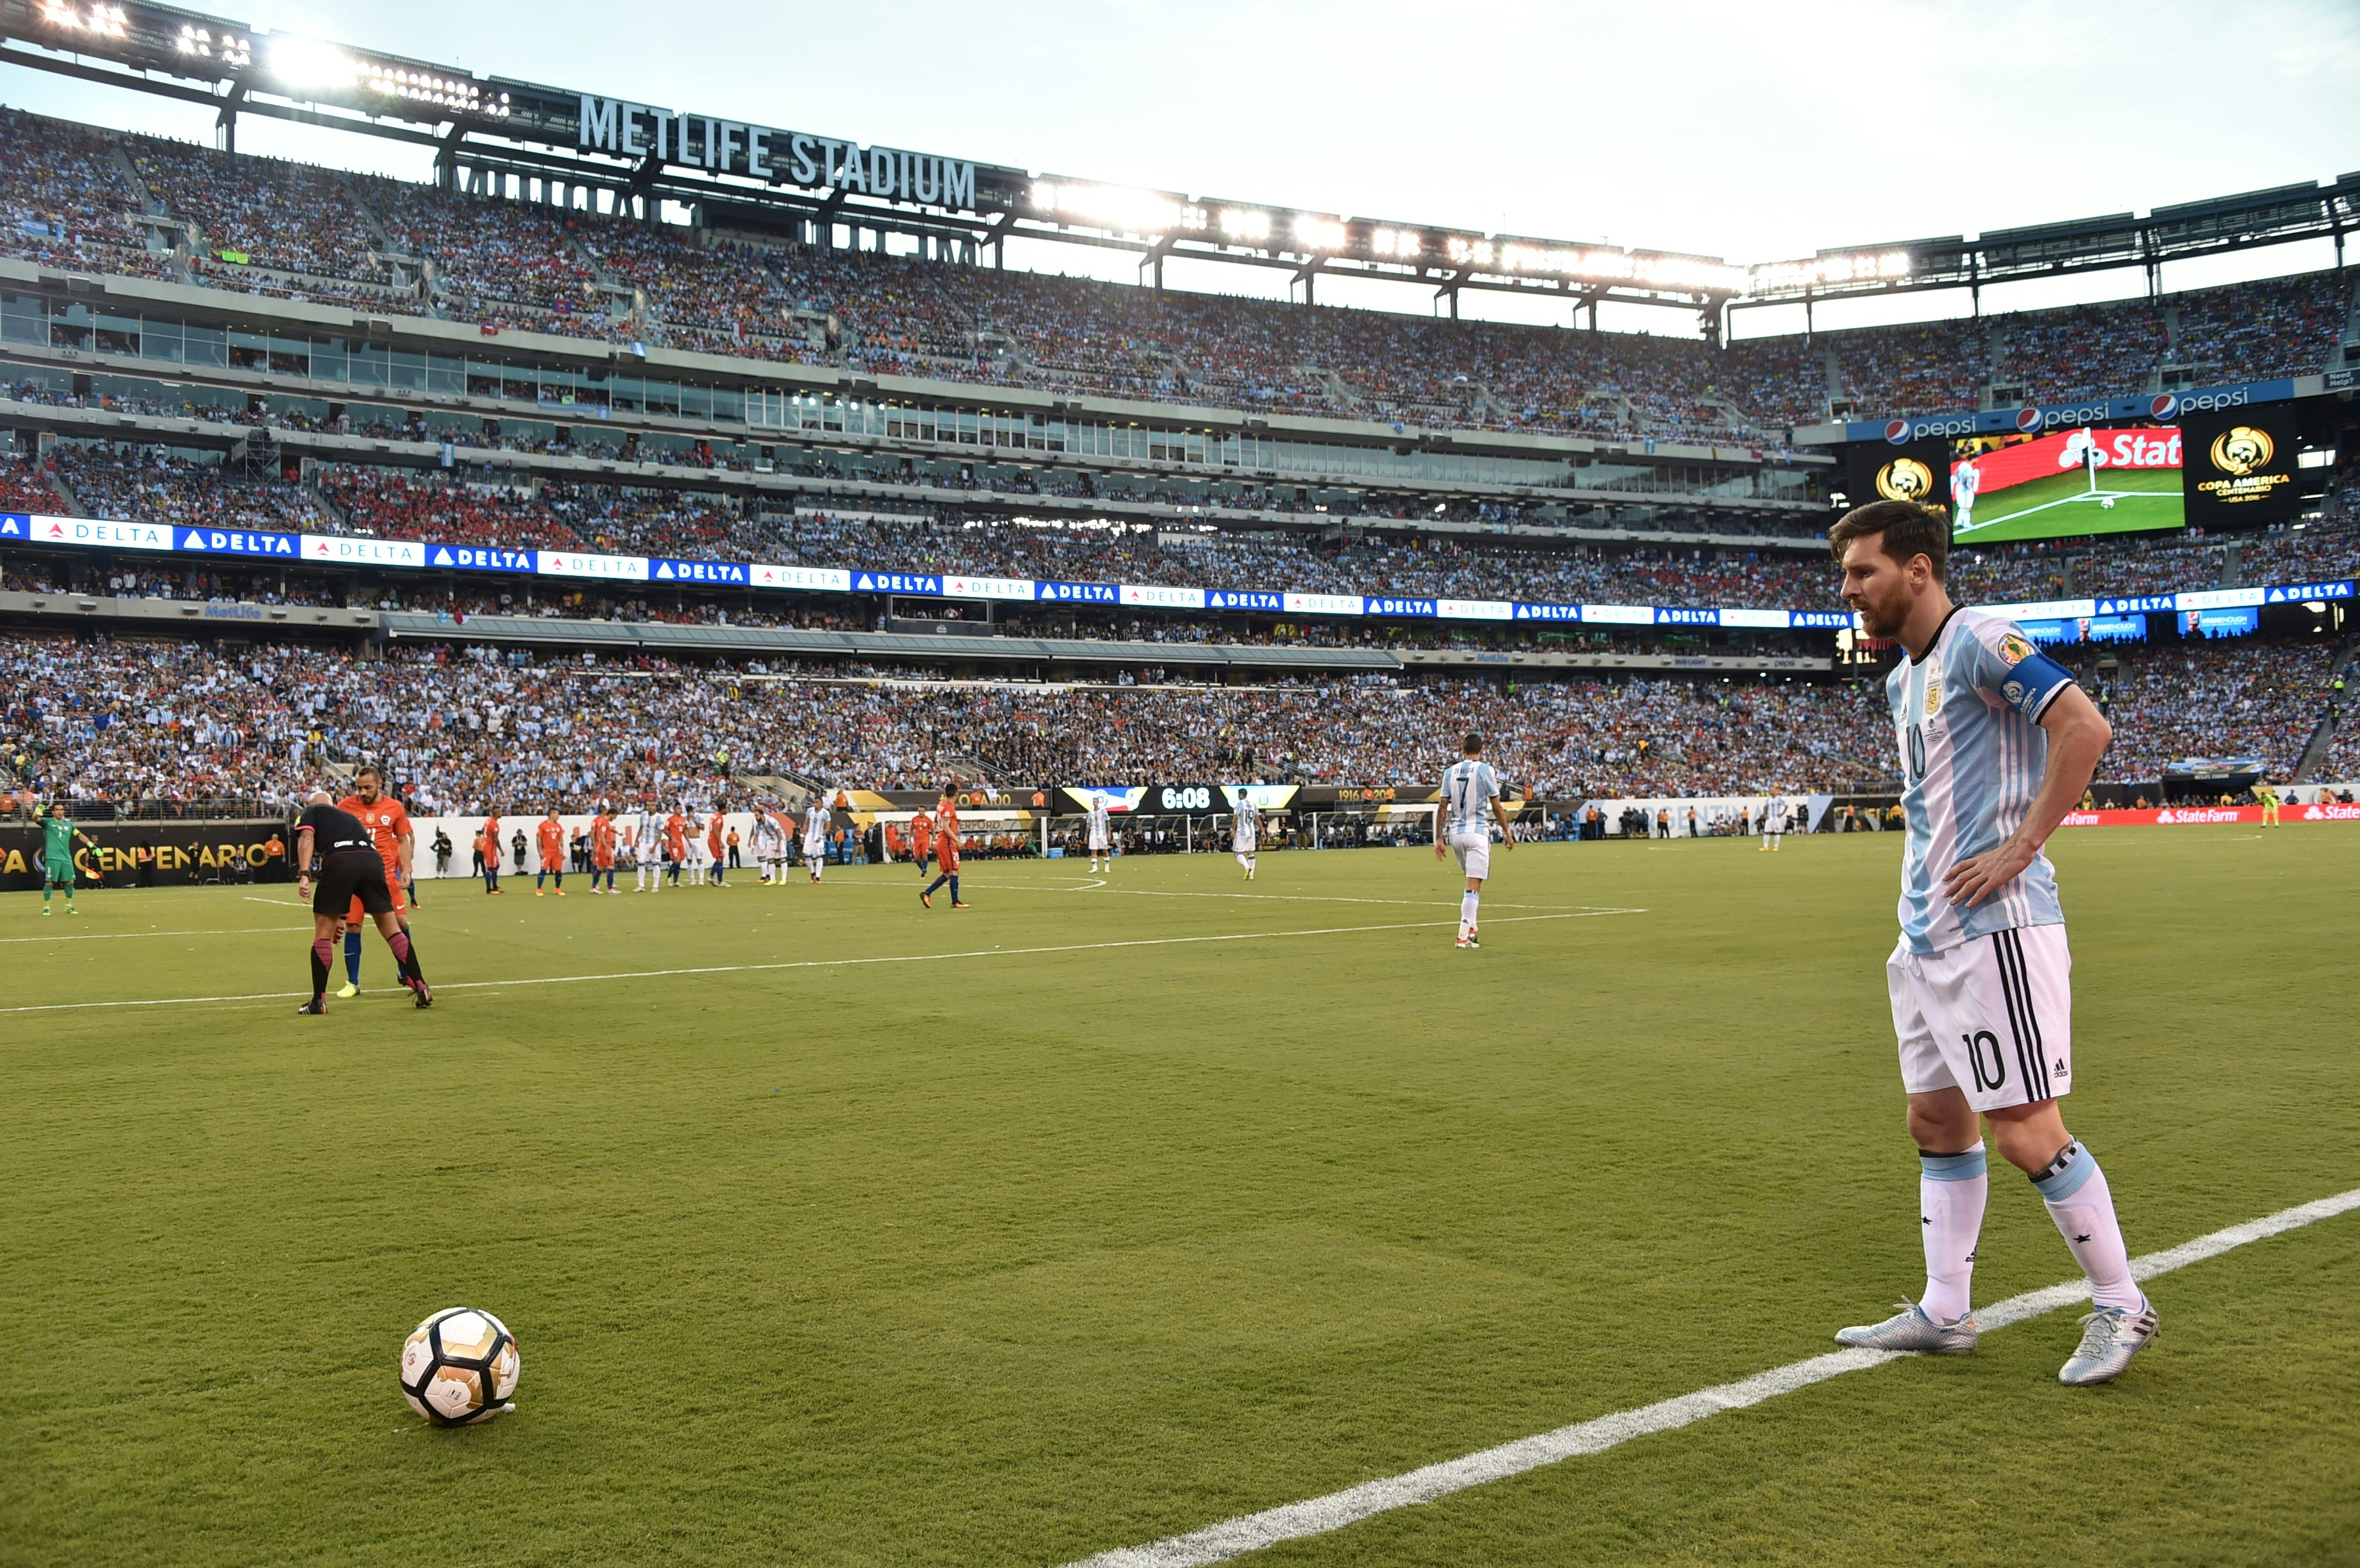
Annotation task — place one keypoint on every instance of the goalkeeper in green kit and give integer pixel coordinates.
(58, 835)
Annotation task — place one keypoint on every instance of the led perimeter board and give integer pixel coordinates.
(2067, 484)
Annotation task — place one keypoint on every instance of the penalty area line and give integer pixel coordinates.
(820, 962)
(1317, 1516)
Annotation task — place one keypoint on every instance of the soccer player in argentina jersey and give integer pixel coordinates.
(1470, 801)
(1997, 744)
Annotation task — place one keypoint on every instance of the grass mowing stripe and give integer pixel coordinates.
(820, 962)
(1318, 1516)
(127, 936)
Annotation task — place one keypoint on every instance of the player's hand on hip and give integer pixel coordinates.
(1979, 879)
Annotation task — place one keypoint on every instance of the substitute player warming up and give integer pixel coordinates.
(1997, 744)
(1471, 802)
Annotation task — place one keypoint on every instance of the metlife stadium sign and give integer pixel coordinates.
(632, 130)
(415, 555)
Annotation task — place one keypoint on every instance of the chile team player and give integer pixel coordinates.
(947, 853)
(388, 821)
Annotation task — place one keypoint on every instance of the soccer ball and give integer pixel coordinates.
(460, 1367)
(2105, 503)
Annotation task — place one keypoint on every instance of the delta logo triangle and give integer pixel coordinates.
(442, 556)
(2278, 596)
(320, 547)
(56, 529)
(664, 571)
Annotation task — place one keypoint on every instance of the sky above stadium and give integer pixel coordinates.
(1736, 131)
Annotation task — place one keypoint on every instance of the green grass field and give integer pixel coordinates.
(2062, 506)
(838, 1232)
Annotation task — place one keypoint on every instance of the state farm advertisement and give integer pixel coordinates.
(2067, 450)
(2201, 816)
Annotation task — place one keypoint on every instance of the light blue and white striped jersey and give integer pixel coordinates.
(1971, 758)
(1096, 821)
(1468, 788)
(1774, 814)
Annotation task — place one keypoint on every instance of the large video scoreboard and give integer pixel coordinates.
(2226, 469)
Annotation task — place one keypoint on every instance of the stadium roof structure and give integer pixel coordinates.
(566, 146)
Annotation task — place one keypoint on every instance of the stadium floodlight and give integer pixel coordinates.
(1119, 207)
(1395, 242)
(1467, 252)
(1245, 223)
(1316, 232)
(100, 21)
(1858, 267)
(302, 62)
(230, 48)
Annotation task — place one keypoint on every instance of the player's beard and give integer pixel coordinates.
(1884, 620)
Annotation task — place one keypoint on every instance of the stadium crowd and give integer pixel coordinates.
(2213, 700)
(466, 729)
(74, 195)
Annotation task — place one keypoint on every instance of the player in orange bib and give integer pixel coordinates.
(388, 828)
(601, 849)
(947, 853)
(551, 834)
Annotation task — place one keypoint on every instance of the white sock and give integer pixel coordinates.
(2083, 1207)
(1244, 862)
(1467, 903)
(1951, 1191)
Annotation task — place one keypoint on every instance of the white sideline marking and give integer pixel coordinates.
(1317, 1516)
(823, 963)
(126, 936)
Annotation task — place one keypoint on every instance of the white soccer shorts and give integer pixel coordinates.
(1474, 852)
(1098, 841)
(1991, 1016)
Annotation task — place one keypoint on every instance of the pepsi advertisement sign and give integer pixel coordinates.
(2033, 419)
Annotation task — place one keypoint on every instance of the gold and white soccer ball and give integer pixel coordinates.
(460, 1367)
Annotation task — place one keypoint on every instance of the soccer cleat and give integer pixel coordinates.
(561, 892)
(926, 897)
(424, 992)
(1911, 1330)
(314, 1005)
(49, 911)
(2110, 1337)
(540, 892)
(956, 905)
(348, 993)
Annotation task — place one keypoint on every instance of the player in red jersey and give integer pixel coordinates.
(551, 834)
(389, 827)
(921, 840)
(493, 850)
(947, 853)
(712, 832)
(601, 849)
(675, 843)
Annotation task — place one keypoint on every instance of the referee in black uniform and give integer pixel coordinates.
(349, 868)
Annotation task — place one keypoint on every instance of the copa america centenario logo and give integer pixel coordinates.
(1904, 479)
(2242, 450)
